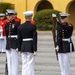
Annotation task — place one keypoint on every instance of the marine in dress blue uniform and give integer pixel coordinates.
(64, 43)
(27, 44)
(12, 44)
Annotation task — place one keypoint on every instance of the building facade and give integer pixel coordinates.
(65, 6)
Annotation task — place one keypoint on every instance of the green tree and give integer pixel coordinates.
(43, 19)
(4, 6)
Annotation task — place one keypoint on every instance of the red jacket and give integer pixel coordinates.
(6, 21)
(3, 23)
(17, 19)
(33, 22)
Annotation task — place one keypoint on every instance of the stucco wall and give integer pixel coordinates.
(21, 6)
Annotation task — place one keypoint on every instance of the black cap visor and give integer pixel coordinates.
(9, 14)
(62, 17)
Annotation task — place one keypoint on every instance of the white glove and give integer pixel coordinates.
(35, 53)
(19, 53)
(17, 49)
(53, 15)
(57, 47)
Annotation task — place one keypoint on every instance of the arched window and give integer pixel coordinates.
(71, 10)
(43, 4)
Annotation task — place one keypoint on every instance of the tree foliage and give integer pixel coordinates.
(43, 19)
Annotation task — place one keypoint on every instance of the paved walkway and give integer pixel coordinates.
(45, 61)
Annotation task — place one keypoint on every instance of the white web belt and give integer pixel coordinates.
(68, 39)
(13, 36)
(27, 39)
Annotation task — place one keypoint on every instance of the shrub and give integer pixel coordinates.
(4, 6)
(43, 19)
